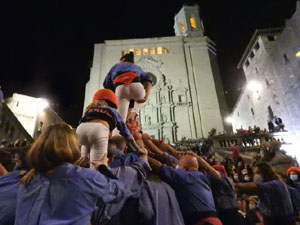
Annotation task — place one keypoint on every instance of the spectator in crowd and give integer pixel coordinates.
(279, 123)
(294, 177)
(99, 120)
(275, 202)
(192, 188)
(128, 81)
(235, 154)
(271, 126)
(295, 195)
(253, 215)
(55, 191)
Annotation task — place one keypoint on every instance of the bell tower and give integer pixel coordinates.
(188, 22)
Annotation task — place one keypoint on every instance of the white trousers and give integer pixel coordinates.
(93, 138)
(125, 92)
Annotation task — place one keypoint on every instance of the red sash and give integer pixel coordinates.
(125, 78)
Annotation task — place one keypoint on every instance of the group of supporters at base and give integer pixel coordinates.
(93, 176)
(157, 184)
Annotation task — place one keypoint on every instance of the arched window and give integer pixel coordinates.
(193, 23)
(145, 51)
(182, 28)
(138, 51)
(152, 51)
(159, 50)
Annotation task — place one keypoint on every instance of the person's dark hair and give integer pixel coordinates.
(266, 170)
(120, 141)
(128, 57)
(6, 159)
(111, 149)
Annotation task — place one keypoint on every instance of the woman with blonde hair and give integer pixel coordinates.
(55, 191)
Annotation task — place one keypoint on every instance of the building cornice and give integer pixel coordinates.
(257, 33)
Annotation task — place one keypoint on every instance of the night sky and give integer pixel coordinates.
(47, 46)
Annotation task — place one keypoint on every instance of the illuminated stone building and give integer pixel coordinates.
(33, 113)
(271, 64)
(188, 99)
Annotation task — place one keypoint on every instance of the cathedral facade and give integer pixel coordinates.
(188, 98)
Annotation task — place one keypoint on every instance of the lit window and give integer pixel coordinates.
(159, 50)
(131, 50)
(138, 51)
(193, 23)
(166, 51)
(145, 50)
(152, 51)
(182, 28)
(298, 54)
(123, 52)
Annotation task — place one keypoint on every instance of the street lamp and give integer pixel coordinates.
(228, 119)
(255, 87)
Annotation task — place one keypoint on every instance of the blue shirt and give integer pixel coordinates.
(132, 177)
(224, 194)
(110, 115)
(122, 159)
(158, 204)
(192, 189)
(66, 196)
(9, 185)
(120, 68)
(295, 197)
(275, 200)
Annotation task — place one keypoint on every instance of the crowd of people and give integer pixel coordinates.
(108, 171)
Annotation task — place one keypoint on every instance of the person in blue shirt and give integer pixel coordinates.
(123, 156)
(158, 204)
(275, 201)
(132, 176)
(101, 118)
(9, 185)
(129, 82)
(226, 199)
(55, 191)
(192, 188)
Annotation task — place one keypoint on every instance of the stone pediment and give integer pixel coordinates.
(149, 64)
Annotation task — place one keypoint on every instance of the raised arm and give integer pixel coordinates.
(155, 165)
(3, 171)
(250, 188)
